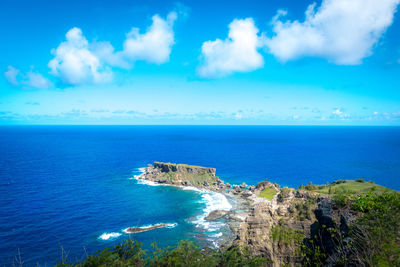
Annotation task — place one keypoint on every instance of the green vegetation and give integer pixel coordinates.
(371, 237)
(185, 254)
(268, 193)
(354, 187)
(305, 209)
(284, 194)
(193, 178)
(182, 165)
(372, 240)
(284, 235)
(377, 233)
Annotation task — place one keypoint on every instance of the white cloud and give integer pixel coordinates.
(37, 80)
(155, 45)
(342, 31)
(76, 61)
(75, 64)
(339, 113)
(12, 75)
(31, 79)
(237, 53)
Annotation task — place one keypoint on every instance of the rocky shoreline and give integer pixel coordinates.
(160, 173)
(267, 226)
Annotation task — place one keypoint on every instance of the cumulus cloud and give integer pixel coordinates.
(37, 80)
(237, 53)
(30, 79)
(339, 113)
(342, 31)
(155, 45)
(74, 63)
(12, 75)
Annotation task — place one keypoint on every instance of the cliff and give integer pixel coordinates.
(308, 226)
(182, 174)
(269, 220)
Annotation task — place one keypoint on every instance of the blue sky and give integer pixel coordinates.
(329, 62)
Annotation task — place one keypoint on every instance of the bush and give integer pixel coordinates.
(186, 253)
(285, 192)
(344, 197)
(285, 235)
(360, 180)
(310, 186)
(377, 232)
(339, 182)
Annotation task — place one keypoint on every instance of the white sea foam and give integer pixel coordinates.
(147, 182)
(212, 200)
(217, 234)
(142, 181)
(107, 236)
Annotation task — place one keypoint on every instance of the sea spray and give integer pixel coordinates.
(212, 200)
(109, 236)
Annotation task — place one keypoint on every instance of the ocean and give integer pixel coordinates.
(73, 188)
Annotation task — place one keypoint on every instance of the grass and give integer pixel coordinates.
(268, 193)
(197, 178)
(283, 234)
(183, 165)
(349, 186)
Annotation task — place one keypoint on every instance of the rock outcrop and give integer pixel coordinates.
(274, 228)
(172, 167)
(183, 174)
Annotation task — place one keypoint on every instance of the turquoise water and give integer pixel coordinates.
(73, 186)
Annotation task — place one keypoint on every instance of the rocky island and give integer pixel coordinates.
(280, 224)
(135, 230)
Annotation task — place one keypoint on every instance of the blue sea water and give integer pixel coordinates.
(70, 186)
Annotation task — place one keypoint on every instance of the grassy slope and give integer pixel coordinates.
(268, 193)
(190, 177)
(184, 165)
(351, 187)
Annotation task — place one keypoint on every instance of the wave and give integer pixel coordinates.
(107, 236)
(142, 181)
(212, 200)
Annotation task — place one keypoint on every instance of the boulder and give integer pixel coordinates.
(216, 215)
(247, 193)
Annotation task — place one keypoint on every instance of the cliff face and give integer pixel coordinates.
(271, 221)
(183, 174)
(172, 167)
(276, 229)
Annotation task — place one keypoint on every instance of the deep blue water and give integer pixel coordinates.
(64, 186)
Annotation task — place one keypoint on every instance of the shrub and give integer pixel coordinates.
(310, 186)
(186, 253)
(377, 232)
(339, 182)
(284, 235)
(360, 180)
(343, 198)
(285, 192)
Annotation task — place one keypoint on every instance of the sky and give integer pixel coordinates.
(269, 62)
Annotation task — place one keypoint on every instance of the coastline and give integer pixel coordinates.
(233, 212)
